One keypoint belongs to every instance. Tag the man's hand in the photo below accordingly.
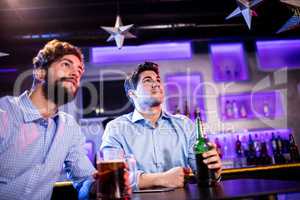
(173, 177)
(213, 160)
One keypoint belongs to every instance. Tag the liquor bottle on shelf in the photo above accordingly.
(294, 151)
(273, 143)
(186, 110)
(205, 176)
(235, 109)
(239, 161)
(225, 149)
(177, 110)
(228, 109)
(285, 149)
(245, 145)
(243, 111)
(221, 72)
(264, 157)
(266, 109)
(251, 158)
(196, 111)
(278, 156)
(238, 147)
(236, 73)
(228, 73)
(267, 140)
(257, 144)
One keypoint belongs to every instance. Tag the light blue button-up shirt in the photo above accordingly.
(34, 151)
(156, 149)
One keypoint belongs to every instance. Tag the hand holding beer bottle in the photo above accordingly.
(208, 161)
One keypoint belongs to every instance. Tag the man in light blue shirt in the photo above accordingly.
(161, 143)
(37, 141)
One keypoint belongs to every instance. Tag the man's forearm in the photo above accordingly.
(150, 180)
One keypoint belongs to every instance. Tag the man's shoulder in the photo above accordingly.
(179, 117)
(6, 103)
(6, 99)
(181, 121)
(68, 118)
(125, 118)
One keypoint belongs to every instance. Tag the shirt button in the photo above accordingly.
(27, 191)
(44, 123)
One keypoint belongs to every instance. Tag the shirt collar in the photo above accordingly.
(136, 116)
(30, 112)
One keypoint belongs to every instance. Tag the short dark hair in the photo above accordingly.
(53, 51)
(132, 81)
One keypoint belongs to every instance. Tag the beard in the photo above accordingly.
(57, 93)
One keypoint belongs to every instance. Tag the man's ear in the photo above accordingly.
(39, 74)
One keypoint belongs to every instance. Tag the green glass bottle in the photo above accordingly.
(205, 176)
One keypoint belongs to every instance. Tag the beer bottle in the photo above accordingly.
(205, 176)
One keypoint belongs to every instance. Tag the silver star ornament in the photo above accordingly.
(244, 8)
(294, 21)
(3, 54)
(118, 32)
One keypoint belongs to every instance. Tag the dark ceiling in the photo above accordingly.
(23, 23)
(80, 20)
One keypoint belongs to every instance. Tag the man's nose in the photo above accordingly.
(76, 73)
(155, 84)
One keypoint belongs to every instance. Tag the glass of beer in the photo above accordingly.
(114, 181)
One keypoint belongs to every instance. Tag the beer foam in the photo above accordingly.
(111, 161)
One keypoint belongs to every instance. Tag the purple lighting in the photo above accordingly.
(228, 61)
(8, 70)
(162, 51)
(185, 89)
(278, 54)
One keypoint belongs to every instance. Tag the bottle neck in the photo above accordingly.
(199, 127)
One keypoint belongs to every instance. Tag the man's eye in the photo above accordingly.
(66, 64)
(147, 80)
(158, 80)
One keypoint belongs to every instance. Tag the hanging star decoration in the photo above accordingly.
(118, 32)
(294, 21)
(3, 54)
(244, 8)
